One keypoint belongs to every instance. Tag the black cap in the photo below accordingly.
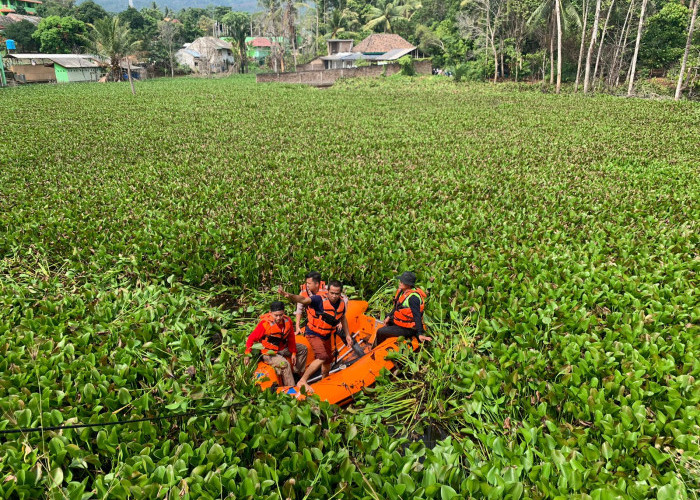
(277, 306)
(407, 278)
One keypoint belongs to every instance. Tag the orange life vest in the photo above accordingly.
(305, 289)
(323, 325)
(276, 336)
(402, 311)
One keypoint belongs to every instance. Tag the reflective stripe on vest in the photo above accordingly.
(402, 311)
(323, 325)
(276, 336)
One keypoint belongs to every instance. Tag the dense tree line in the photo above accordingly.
(595, 44)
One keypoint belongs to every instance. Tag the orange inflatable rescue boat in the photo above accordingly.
(354, 368)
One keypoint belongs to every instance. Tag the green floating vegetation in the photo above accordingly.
(557, 236)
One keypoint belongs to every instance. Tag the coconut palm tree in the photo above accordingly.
(337, 23)
(384, 16)
(563, 15)
(633, 64)
(409, 7)
(112, 40)
(483, 19)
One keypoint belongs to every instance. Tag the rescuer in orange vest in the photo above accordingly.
(325, 314)
(312, 286)
(406, 319)
(276, 333)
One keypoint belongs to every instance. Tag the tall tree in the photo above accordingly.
(60, 8)
(89, 12)
(337, 23)
(21, 33)
(633, 64)
(238, 24)
(60, 35)
(557, 10)
(169, 34)
(591, 46)
(483, 18)
(112, 40)
(586, 4)
(289, 28)
(560, 16)
(665, 35)
(602, 39)
(688, 43)
(621, 47)
(383, 16)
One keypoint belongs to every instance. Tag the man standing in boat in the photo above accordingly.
(276, 333)
(325, 313)
(312, 286)
(406, 319)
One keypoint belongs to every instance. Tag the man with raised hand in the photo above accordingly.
(406, 318)
(312, 286)
(325, 313)
(276, 333)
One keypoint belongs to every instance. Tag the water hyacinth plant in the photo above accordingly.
(557, 238)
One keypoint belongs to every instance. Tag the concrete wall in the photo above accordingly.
(83, 74)
(34, 73)
(315, 65)
(328, 77)
(61, 74)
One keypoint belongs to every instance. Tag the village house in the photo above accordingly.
(65, 68)
(377, 55)
(59, 68)
(12, 6)
(258, 48)
(379, 48)
(8, 19)
(206, 55)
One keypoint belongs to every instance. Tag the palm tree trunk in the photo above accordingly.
(544, 64)
(172, 64)
(557, 8)
(594, 37)
(503, 66)
(693, 17)
(495, 56)
(551, 54)
(602, 40)
(633, 67)
(583, 40)
(131, 80)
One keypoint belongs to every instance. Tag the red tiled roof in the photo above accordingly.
(261, 42)
(30, 1)
(379, 43)
(7, 10)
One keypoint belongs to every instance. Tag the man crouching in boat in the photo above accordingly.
(325, 313)
(276, 333)
(406, 319)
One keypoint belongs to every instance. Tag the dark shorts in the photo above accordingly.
(323, 349)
